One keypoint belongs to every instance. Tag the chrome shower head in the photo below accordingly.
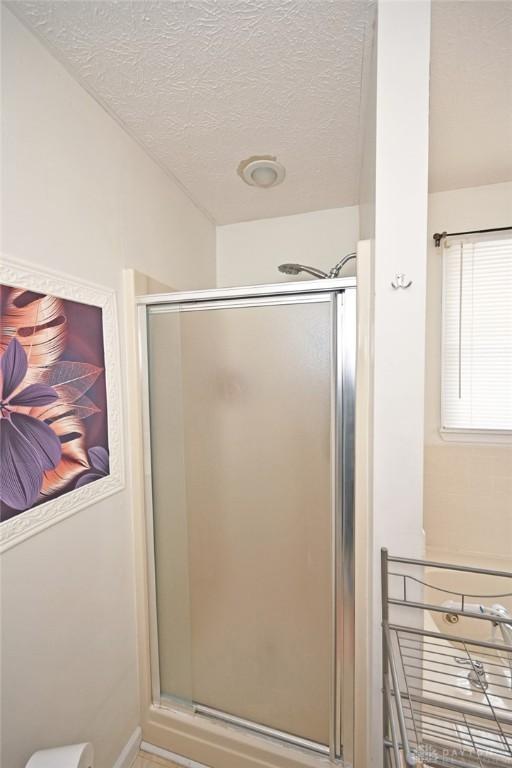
(290, 269)
(296, 269)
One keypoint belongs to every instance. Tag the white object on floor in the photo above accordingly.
(71, 756)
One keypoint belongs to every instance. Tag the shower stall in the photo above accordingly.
(248, 423)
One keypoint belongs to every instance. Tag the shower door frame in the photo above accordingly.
(341, 294)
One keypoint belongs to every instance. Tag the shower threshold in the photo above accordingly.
(168, 702)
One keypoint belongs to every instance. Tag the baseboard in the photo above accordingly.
(178, 759)
(130, 750)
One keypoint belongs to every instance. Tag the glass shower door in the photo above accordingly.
(242, 414)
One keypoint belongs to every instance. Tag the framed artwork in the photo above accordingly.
(60, 399)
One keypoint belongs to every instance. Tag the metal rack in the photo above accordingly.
(447, 693)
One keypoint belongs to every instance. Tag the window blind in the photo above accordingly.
(477, 335)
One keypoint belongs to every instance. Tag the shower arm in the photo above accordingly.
(334, 272)
(296, 269)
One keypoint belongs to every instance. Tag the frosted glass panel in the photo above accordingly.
(240, 420)
(170, 512)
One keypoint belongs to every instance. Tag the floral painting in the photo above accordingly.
(53, 403)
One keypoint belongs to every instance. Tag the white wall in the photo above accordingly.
(403, 54)
(250, 252)
(80, 196)
(471, 481)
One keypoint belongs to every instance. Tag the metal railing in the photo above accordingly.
(447, 693)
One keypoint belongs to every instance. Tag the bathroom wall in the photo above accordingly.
(468, 486)
(397, 383)
(79, 195)
(250, 252)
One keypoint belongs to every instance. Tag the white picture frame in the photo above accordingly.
(22, 274)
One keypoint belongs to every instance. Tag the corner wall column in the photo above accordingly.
(403, 59)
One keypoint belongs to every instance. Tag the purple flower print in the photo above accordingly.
(98, 459)
(28, 447)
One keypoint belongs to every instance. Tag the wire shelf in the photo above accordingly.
(447, 691)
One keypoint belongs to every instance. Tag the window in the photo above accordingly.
(477, 335)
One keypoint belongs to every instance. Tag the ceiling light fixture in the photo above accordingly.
(261, 171)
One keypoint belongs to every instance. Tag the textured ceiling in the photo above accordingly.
(204, 84)
(470, 94)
